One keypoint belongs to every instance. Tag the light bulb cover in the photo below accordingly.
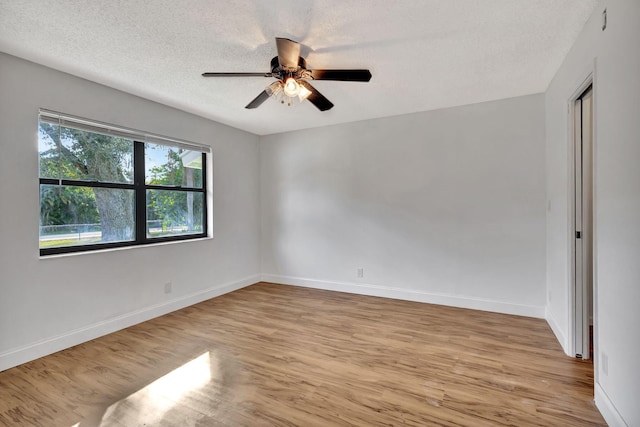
(303, 93)
(291, 87)
(274, 88)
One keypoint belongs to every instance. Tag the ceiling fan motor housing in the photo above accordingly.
(283, 72)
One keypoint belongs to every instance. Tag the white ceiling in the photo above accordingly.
(423, 54)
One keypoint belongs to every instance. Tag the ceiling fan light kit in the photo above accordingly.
(287, 91)
(292, 75)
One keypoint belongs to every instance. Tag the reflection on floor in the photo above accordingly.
(273, 355)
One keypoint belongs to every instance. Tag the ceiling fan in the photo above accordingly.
(290, 70)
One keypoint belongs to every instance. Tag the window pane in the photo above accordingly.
(172, 166)
(172, 213)
(67, 153)
(48, 150)
(71, 216)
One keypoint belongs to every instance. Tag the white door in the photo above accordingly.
(583, 273)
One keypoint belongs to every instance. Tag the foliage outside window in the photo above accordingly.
(101, 188)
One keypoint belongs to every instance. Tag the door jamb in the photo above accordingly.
(588, 81)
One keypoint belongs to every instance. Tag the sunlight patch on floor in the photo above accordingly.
(175, 384)
(149, 405)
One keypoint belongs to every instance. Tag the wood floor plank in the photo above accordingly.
(275, 355)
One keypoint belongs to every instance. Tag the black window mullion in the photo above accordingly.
(90, 184)
(98, 184)
(140, 194)
(204, 189)
(49, 181)
(174, 188)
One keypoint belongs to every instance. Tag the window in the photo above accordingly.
(104, 187)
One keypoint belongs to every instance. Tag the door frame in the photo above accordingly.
(589, 80)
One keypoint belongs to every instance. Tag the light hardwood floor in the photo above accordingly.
(274, 355)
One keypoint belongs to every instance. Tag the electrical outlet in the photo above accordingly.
(167, 288)
(361, 272)
(605, 363)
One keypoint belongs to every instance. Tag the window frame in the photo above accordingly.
(139, 187)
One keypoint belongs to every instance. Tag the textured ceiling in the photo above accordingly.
(423, 54)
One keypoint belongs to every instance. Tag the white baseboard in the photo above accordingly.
(553, 324)
(410, 295)
(17, 356)
(607, 409)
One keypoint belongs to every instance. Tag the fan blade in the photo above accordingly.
(316, 98)
(288, 53)
(258, 100)
(237, 74)
(342, 75)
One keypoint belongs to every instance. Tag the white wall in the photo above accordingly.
(445, 206)
(614, 56)
(49, 304)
